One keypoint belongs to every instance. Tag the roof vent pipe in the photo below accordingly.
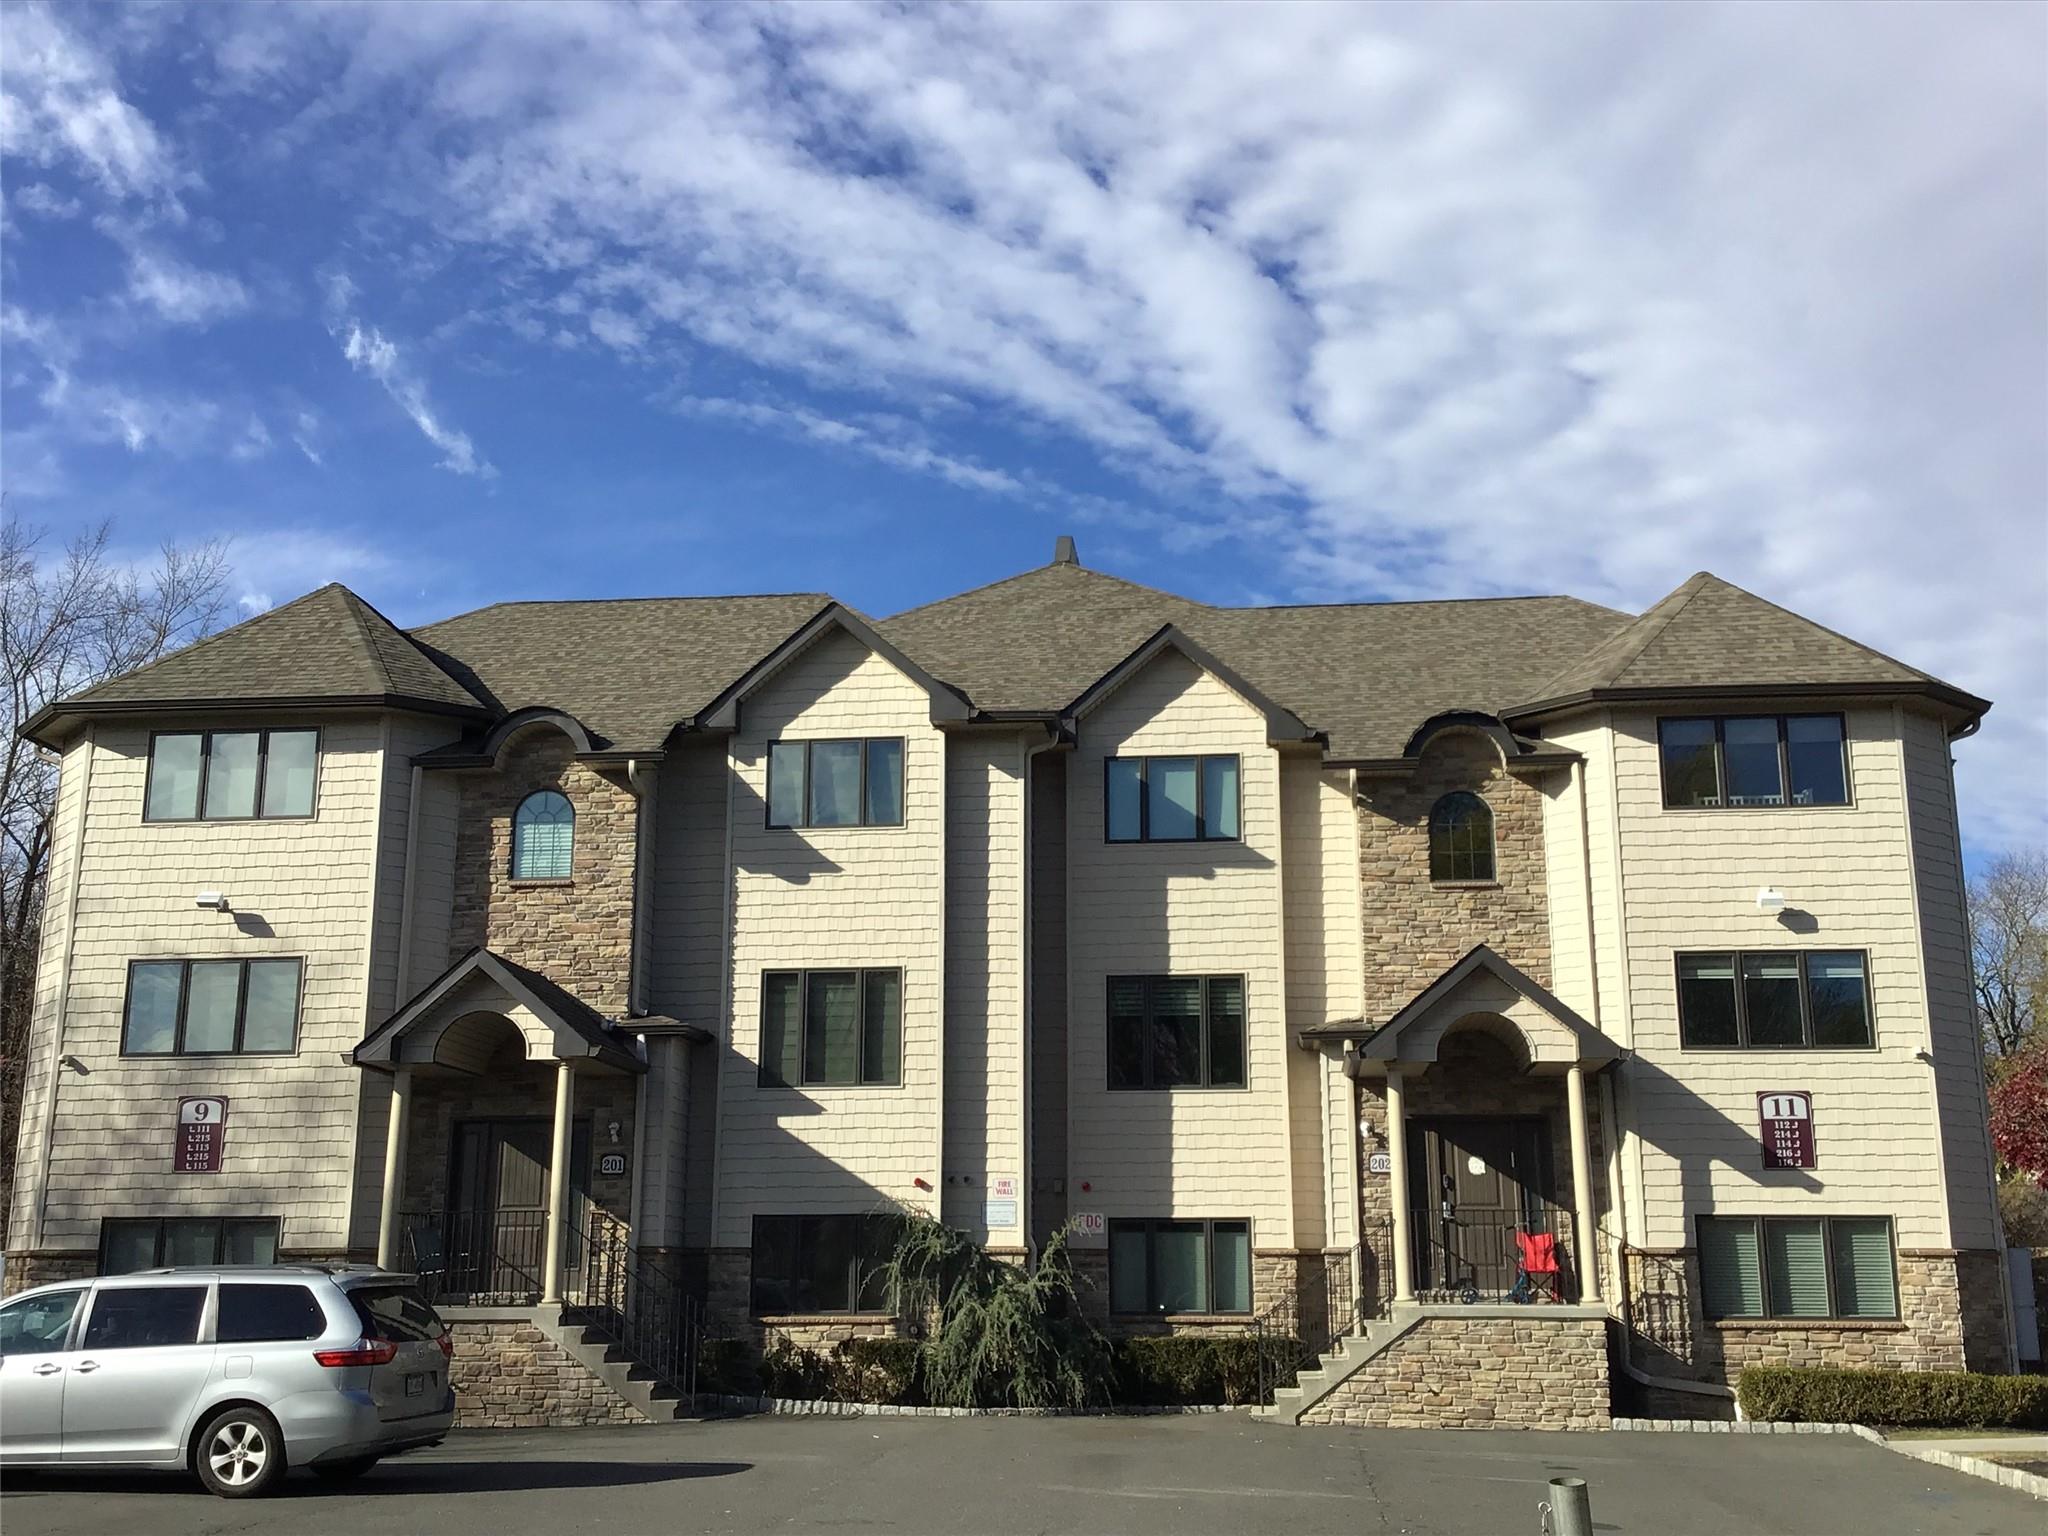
(1063, 551)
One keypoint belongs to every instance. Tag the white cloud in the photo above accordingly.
(288, 560)
(44, 201)
(60, 105)
(887, 439)
(371, 353)
(253, 443)
(305, 437)
(181, 293)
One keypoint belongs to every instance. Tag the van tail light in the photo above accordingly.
(447, 1343)
(362, 1352)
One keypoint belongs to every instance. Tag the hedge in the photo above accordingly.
(1178, 1370)
(1898, 1399)
(854, 1371)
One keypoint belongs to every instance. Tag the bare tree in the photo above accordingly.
(68, 620)
(2009, 929)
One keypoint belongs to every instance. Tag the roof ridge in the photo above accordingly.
(1040, 570)
(1653, 624)
(206, 640)
(1424, 602)
(360, 607)
(571, 602)
(1855, 644)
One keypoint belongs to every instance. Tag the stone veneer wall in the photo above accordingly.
(1480, 1372)
(1415, 929)
(577, 932)
(1950, 1319)
(26, 1269)
(508, 1374)
(729, 1300)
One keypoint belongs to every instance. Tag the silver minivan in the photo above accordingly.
(235, 1374)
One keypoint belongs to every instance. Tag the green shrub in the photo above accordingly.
(725, 1365)
(788, 1369)
(1176, 1370)
(1901, 1399)
(875, 1371)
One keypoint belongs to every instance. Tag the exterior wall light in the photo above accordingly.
(1770, 901)
(217, 900)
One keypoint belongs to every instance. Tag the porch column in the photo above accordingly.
(1397, 1181)
(558, 1181)
(394, 1169)
(1582, 1185)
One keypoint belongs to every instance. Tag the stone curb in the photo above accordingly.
(2015, 1478)
(728, 1403)
(1722, 1427)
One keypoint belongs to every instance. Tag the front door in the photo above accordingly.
(1473, 1182)
(498, 1221)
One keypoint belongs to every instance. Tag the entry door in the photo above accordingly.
(499, 1220)
(1474, 1181)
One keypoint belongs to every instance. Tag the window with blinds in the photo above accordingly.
(543, 837)
(1798, 1268)
(1176, 1032)
(831, 1028)
(1775, 1000)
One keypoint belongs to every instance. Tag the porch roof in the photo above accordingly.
(553, 1021)
(1482, 983)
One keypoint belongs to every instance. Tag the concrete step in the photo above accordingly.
(612, 1366)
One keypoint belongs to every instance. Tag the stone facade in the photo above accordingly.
(729, 1293)
(26, 1269)
(1480, 1371)
(508, 1374)
(577, 932)
(1416, 928)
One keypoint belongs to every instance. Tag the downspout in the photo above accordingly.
(1610, 1124)
(641, 780)
(56, 1072)
(405, 900)
(1027, 1176)
(634, 1188)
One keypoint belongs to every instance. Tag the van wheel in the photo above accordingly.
(343, 1471)
(240, 1453)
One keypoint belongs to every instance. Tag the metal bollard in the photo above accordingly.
(1570, 1510)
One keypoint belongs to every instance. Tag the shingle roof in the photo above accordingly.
(628, 669)
(1709, 633)
(1366, 674)
(327, 644)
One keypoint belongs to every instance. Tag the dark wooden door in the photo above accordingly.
(498, 1219)
(1473, 1182)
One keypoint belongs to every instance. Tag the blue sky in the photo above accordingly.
(456, 303)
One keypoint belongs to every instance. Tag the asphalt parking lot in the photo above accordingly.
(1184, 1476)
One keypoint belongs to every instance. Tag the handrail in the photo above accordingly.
(475, 1255)
(1319, 1308)
(641, 1305)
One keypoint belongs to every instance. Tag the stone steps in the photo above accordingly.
(626, 1377)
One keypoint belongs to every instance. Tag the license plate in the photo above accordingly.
(416, 1383)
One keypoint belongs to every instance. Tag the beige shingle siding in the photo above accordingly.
(688, 886)
(1945, 936)
(1051, 1199)
(984, 1120)
(1177, 909)
(1690, 880)
(837, 897)
(298, 888)
(1319, 872)
(433, 894)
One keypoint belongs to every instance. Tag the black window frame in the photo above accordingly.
(220, 1235)
(512, 852)
(1492, 875)
(1207, 1083)
(1720, 724)
(768, 1077)
(263, 733)
(1201, 760)
(1742, 1042)
(1834, 1313)
(1149, 1225)
(241, 1003)
(870, 1229)
(804, 789)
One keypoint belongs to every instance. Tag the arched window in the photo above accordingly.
(1461, 838)
(543, 832)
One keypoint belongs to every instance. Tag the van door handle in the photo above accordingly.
(86, 1365)
(48, 1368)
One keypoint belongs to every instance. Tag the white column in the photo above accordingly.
(394, 1169)
(558, 1181)
(1582, 1185)
(1397, 1180)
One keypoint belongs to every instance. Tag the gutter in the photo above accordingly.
(63, 1003)
(640, 778)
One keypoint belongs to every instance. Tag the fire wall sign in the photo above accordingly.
(202, 1124)
(1785, 1128)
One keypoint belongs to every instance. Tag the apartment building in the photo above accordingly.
(1343, 958)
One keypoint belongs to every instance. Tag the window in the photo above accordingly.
(38, 1325)
(144, 1316)
(230, 775)
(1461, 838)
(836, 783)
(1797, 1267)
(267, 1314)
(1163, 1267)
(211, 1008)
(805, 1264)
(1754, 760)
(398, 1313)
(1176, 1032)
(1774, 1000)
(543, 837)
(831, 1028)
(152, 1243)
(1170, 799)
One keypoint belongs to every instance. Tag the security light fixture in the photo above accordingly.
(217, 900)
(1770, 901)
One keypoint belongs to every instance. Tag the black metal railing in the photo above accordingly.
(1483, 1257)
(640, 1305)
(1375, 1260)
(471, 1257)
(1306, 1320)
